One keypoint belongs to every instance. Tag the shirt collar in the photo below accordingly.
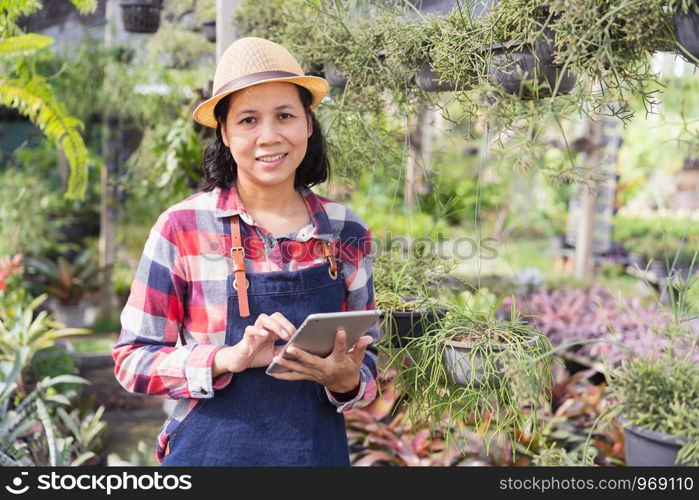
(229, 204)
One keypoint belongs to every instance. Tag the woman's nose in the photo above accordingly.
(269, 132)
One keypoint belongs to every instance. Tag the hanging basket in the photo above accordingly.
(334, 76)
(141, 17)
(520, 69)
(687, 30)
(428, 80)
(209, 29)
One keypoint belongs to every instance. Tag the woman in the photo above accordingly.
(229, 273)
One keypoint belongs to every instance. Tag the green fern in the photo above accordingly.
(12, 10)
(24, 44)
(31, 96)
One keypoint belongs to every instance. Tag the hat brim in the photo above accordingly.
(317, 86)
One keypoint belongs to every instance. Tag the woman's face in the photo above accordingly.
(263, 122)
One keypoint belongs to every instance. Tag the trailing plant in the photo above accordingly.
(408, 282)
(501, 390)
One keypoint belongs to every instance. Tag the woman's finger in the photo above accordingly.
(340, 347)
(273, 325)
(294, 365)
(304, 357)
(286, 324)
(255, 334)
(291, 376)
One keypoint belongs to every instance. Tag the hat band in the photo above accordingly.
(242, 81)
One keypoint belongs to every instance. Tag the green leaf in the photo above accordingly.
(31, 96)
(24, 44)
(50, 435)
(85, 6)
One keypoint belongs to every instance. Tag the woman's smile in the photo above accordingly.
(269, 161)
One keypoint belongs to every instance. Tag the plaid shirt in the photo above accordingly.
(174, 321)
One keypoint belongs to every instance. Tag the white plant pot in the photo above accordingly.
(82, 315)
(465, 365)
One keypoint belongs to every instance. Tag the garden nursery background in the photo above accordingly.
(529, 170)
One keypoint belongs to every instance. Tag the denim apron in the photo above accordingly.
(257, 420)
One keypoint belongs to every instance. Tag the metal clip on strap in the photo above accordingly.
(240, 282)
(328, 254)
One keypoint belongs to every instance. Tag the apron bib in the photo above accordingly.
(257, 420)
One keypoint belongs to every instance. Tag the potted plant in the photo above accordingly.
(686, 20)
(403, 288)
(476, 371)
(477, 351)
(411, 41)
(69, 285)
(141, 16)
(657, 400)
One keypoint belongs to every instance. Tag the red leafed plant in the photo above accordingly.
(378, 435)
(574, 315)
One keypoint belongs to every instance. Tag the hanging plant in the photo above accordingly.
(141, 16)
(209, 27)
(412, 46)
(686, 19)
(476, 371)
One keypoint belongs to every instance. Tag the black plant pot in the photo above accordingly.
(209, 29)
(428, 80)
(141, 16)
(520, 70)
(636, 259)
(687, 30)
(403, 326)
(334, 76)
(644, 447)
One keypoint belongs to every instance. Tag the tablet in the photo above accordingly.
(316, 335)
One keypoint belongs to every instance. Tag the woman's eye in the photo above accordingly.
(286, 115)
(245, 120)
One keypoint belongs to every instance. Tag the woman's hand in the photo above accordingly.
(256, 348)
(339, 372)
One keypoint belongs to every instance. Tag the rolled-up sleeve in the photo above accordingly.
(146, 355)
(356, 255)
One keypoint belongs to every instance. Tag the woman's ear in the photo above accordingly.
(310, 124)
(224, 136)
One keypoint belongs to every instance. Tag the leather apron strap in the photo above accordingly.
(238, 255)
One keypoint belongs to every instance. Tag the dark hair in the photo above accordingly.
(220, 169)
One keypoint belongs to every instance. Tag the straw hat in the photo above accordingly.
(250, 61)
